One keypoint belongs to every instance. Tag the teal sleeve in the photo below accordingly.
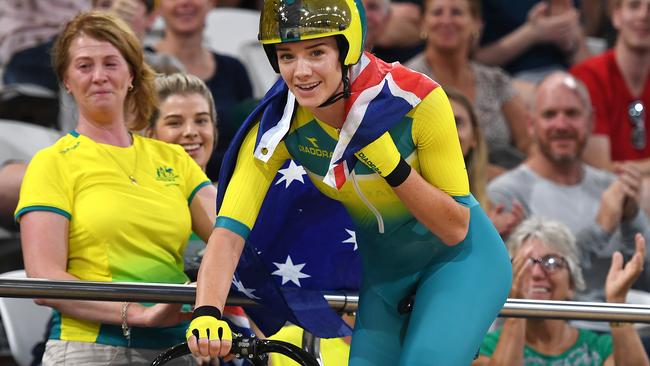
(196, 190)
(233, 225)
(604, 346)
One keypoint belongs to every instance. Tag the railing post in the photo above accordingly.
(311, 344)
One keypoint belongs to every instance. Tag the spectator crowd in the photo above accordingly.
(548, 97)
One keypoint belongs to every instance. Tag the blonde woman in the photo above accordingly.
(451, 28)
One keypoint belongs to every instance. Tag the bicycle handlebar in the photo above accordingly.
(290, 350)
(251, 348)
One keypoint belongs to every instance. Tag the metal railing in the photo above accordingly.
(339, 301)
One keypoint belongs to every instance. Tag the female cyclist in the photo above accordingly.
(419, 229)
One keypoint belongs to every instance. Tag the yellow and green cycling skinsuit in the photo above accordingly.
(400, 256)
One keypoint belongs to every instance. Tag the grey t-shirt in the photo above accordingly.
(576, 206)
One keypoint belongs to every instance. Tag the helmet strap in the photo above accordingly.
(342, 94)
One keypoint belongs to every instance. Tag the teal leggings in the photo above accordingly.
(458, 295)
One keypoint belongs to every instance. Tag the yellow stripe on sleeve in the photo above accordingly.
(250, 181)
(436, 138)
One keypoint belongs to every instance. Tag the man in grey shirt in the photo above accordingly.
(602, 209)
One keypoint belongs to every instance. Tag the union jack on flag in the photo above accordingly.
(381, 94)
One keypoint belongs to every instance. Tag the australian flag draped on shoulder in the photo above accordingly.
(304, 243)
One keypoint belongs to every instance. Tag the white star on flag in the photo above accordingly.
(352, 239)
(246, 291)
(291, 173)
(290, 272)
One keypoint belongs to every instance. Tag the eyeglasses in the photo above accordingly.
(550, 263)
(636, 112)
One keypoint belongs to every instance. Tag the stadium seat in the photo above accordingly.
(233, 31)
(633, 297)
(30, 103)
(226, 29)
(21, 140)
(24, 323)
(642, 298)
(259, 69)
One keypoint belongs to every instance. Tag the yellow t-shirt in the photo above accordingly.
(118, 231)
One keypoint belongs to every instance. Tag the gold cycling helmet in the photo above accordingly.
(297, 20)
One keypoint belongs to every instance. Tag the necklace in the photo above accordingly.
(135, 164)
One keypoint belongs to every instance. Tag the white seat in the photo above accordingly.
(226, 29)
(633, 297)
(259, 69)
(642, 298)
(24, 323)
(21, 140)
(234, 31)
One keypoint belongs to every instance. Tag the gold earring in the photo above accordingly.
(130, 87)
(423, 35)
